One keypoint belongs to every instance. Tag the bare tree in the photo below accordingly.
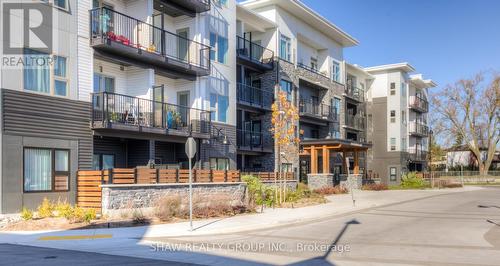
(469, 110)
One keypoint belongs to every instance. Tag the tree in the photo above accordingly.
(468, 111)
(284, 123)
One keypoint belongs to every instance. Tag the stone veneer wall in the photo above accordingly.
(126, 197)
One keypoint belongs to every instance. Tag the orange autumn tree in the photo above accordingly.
(284, 121)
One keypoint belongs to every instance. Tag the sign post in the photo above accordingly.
(190, 152)
(350, 182)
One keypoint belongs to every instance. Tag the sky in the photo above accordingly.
(445, 40)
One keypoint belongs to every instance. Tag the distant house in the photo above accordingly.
(461, 157)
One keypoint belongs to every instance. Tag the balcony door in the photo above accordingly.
(183, 44)
(158, 100)
(183, 102)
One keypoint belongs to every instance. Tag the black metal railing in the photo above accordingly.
(417, 154)
(253, 139)
(355, 121)
(419, 103)
(254, 96)
(112, 108)
(313, 70)
(354, 93)
(111, 25)
(419, 128)
(314, 108)
(254, 52)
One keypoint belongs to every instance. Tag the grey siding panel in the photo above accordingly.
(113, 146)
(35, 115)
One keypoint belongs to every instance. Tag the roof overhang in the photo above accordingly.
(358, 69)
(254, 20)
(405, 67)
(308, 16)
(418, 81)
(336, 144)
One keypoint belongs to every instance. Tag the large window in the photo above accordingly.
(287, 87)
(103, 83)
(220, 164)
(285, 48)
(219, 106)
(393, 173)
(103, 161)
(219, 49)
(336, 71)
(37, 77)
(46, 170)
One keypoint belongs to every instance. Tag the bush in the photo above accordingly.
(375, 187)
(45, 209)
(77, 215)
(64, 210)
(411, 180)
(258, 193)
(90, 214)
(26, 214)
(138, 217)
(168, 207)
(332, 190)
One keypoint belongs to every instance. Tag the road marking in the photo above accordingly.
(76, 237)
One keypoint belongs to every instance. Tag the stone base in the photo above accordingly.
(317, 181)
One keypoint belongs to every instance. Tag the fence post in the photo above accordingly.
(176, 175)
(110, 175)
(157, 176)
(225, 175)
(135, 175)
(211, 176)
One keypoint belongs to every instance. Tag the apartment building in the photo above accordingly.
(129, 82)
(311, 70)
(397, 121)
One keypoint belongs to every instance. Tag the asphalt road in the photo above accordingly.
(453, 229)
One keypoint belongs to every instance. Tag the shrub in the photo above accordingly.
(258, 193)
(375, 187)
(77, 215)
(332, 190)
(64, 210)
(45, 209)
(26, 214)
(90, 214)
(411, 180)
(452, 185)
(138, 217)
(168, 207)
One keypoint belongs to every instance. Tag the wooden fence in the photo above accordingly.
(89, 182)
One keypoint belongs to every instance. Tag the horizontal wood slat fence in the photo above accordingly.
(89, 182)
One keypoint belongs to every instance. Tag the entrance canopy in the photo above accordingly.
(325, 146)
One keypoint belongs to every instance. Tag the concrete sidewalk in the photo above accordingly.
(338, 205)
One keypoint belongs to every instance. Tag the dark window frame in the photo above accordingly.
(54, 172)
(395, 174)
(101, 159)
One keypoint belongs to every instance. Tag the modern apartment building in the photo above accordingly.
(397, 109)
(311, 69)
(129, 82)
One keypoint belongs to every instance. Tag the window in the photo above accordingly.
(403, 89)
(219, 106)
(221, 2)
(393, 88)
(336, 71)
(285, 48)
(393, 116)
(103, 83)
(219, 49)
(287, 87)
(403, 144)
(46, 170)
(219, 164)
(393, 144)
(60, 78)
(286, 168)
(62, 4)
(403, 117)
(314, 63)
(103, 161)
(393, 174)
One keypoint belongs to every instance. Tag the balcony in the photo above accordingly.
(418, 129)
(355, 122)
(313, 70)
(354, 93)
(129, 41)
(314, 110)
(254, 55)
(419, 104)
(175, 8)
(417, 154)
(254, 97)
(254, 141)
(122, 112)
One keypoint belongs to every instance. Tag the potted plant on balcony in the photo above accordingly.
(113, 117)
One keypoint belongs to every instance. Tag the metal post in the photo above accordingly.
(190, 196)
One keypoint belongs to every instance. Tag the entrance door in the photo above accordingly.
(305, 168)
(183, 44)
(158, 100)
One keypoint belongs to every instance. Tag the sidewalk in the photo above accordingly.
(338, 205)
